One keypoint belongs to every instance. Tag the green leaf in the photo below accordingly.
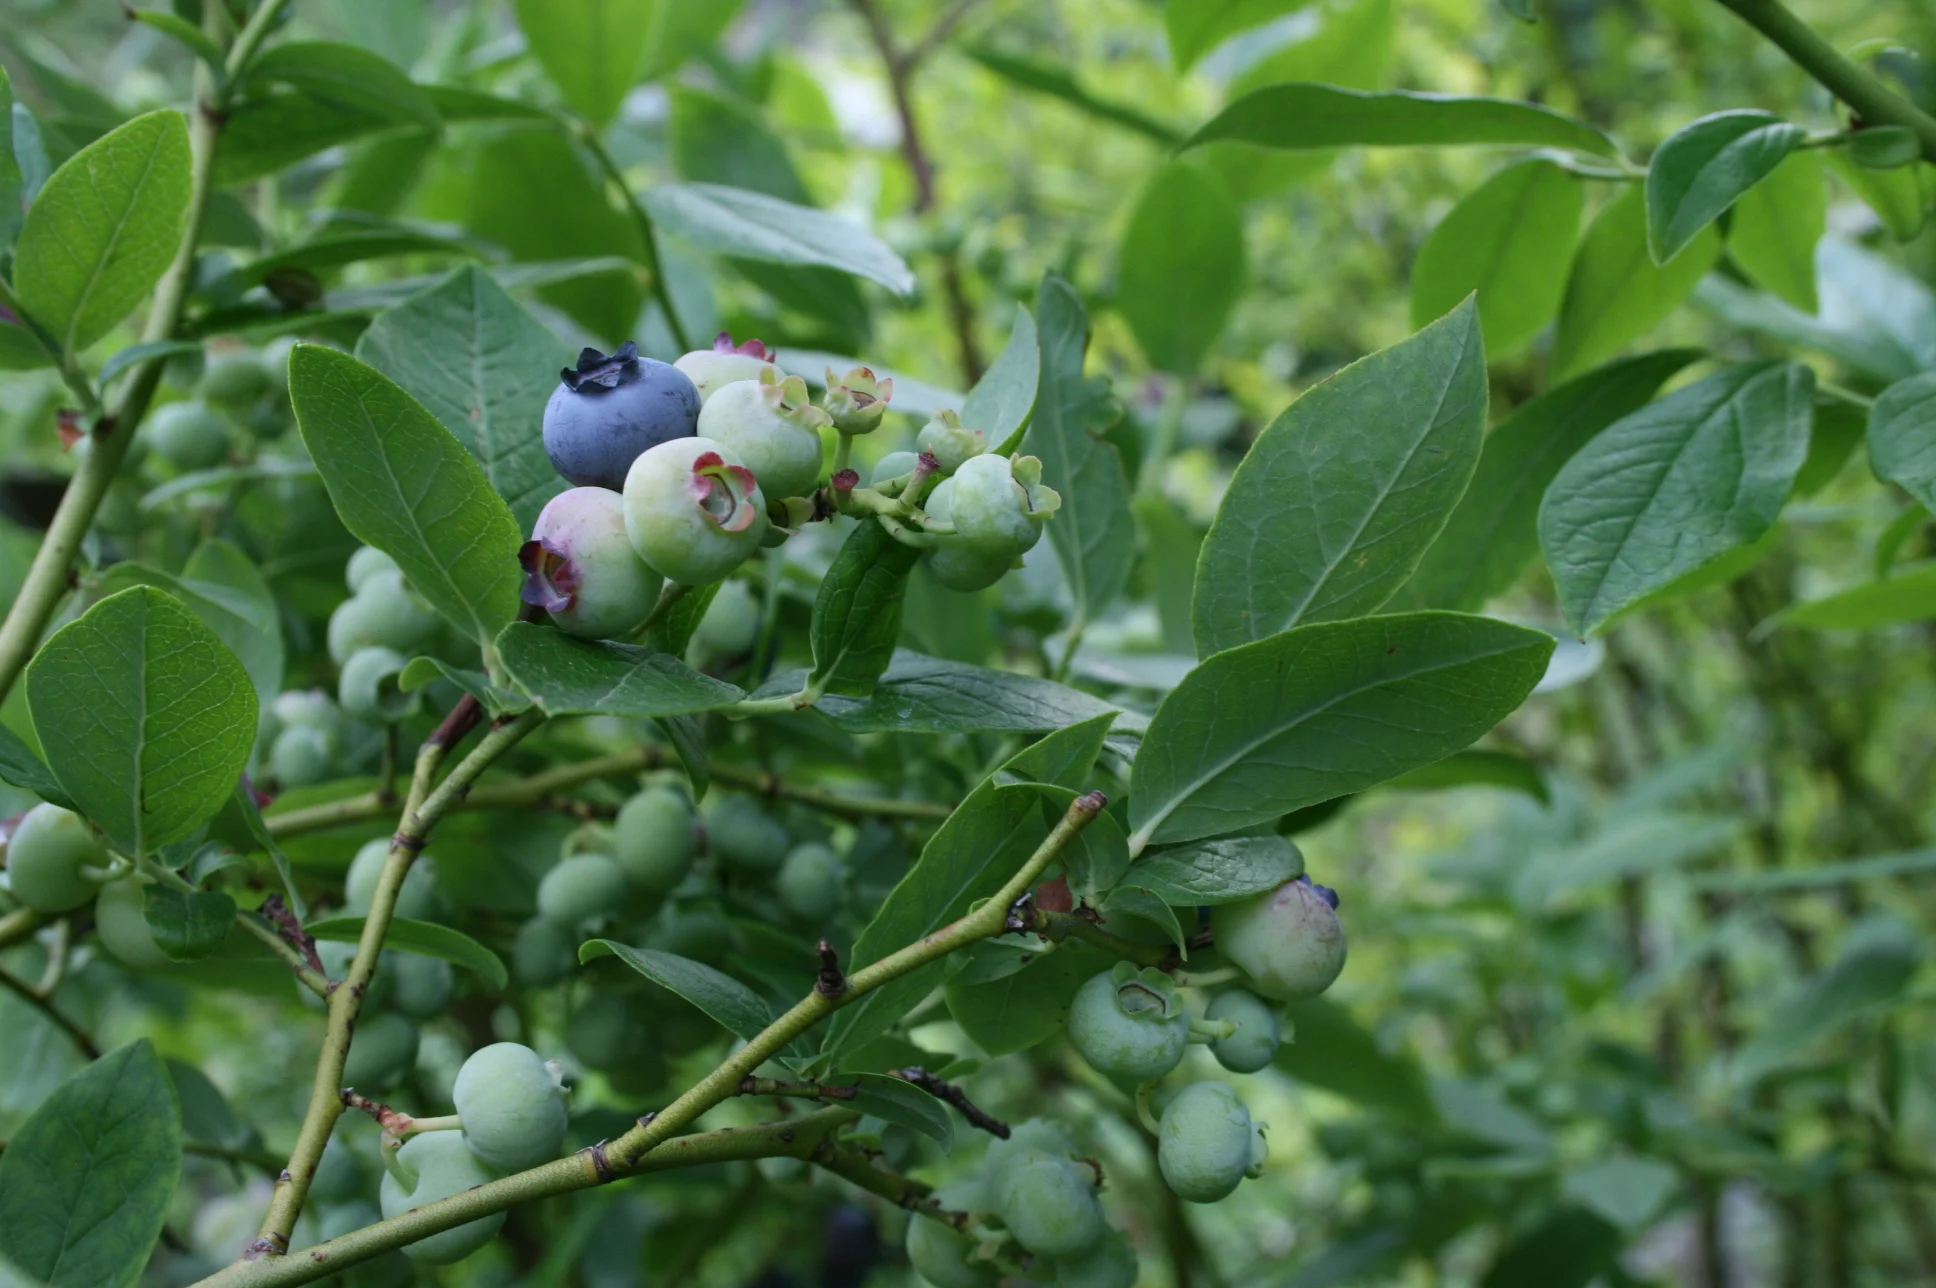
(1569, 1249)
(269, 132)
(188, 925)
(1182, 265)
(921, 694)
(135, 354)
(1476, 769)
(1906, 595)
(1326, 1048)
(1876, 962)
(737, 1008)
(1616, 293)
(1003, 399)
(1303, 116)
(456, 103)
(1135, 903)
(1322, 711)
(1094, 534)
(254, 638)
(1045, 78)
(1776, 226)
(595, 51)
(1095, 859)
(751, 225)
(570, 676)
(978, 848)
(857, 612)
(674, 630)
(420, 671)
(13, 184)
(484, 368)
(1902, 436)
(1195, 27)
(1629, 1192)
(424, 938)
(893, 1100)
(86, 1182)
(244, 798)
(1704, 167)
(333, 250)
(1026, 1007)
(146, 720)
(104, 229)
(403, 484)
(184, 33)
(1504, 242)
(347, 76)
(1673, 486)
(1338, 499)
(1900, 198)
(1494, 532)
(21, 767)
(1220, 871)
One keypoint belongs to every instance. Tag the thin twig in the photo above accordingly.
(45, 1005)
(805, 1090)
(948, 1091)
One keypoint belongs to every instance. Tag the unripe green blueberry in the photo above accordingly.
(383, 613)
(1289, 941)
(1130, 1024)
(45, 857)
(770, 426)
(960, 566)
(512, 1106)
(383, 1049)
(543, 954)
(812, 881)
(1031, 1139)
(893, 466)
(1203, 1146)
(1110, 1264)
(999, 505)
(951, 443)
(302, 756)
(1254, 1044)
(188, 435)
(742, 835)
(424, 986)
(939, 1253)
(232, 379)
(416, 900)
(443, 1167)
(693, 511)
(653, 840)
(580, 890)
(391, 1270)
(857, 401)
(581, 569)
(336, 957)
(370, 687)
(711, 370)
(311, 707)
(731, 623)
(122, 924)
(365, 564)
(1049, 1205)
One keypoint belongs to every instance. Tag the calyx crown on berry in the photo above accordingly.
(857, 401)
(1146, 992)
(723, 492)
(598, 371)
(723, 343)
(788, 399)
(952, 443)
(1040, 499)
(550, 579)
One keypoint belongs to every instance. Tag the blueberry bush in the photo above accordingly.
(654, 643)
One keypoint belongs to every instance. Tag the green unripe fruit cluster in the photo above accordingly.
(1205, 1142)
(47, 857)
(654, 840)
(442, 1167)
(731, 623)
(188, 435)
(1254, 1044)
(512, 1106)
(1045, 1198)
(417, 898)
(1130, 1024)
(693, 511)
(1289, 941)
(383, 1050)
(742, 835)
(581, 890)
(382, 612)
(940, 1254)
(543, 954)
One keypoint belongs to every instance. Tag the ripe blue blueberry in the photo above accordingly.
(1130, 1024)
(512, 1105)
(608, 411)
(1289, 941)
(188, 435)
(580, 567)
(47, 856)
(771, 427)
(653, 840)
(442, 1167)
(1255, 1042)
(711, 370)
(693, 512)
(1204, 1143)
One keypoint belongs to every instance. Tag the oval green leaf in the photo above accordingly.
(1615, 292)
(1704, 167)
(753, 225)
(1302, 116)
(1182, 265)
(737, 1008)
(567, 676)
(426, 939)
(1902, 436)
(1503, 242)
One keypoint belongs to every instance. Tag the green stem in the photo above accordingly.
(1059, 926)
(306, 975)
(19, 926)
(422, 810)
(1873, 101)
(652, 1145)
(587, 135)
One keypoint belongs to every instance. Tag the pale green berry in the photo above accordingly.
(812, 881)
(742, 835)
(581, 890)
(188, 435)
(940, 1254)
(311, 707)
(951, 443)
(731, 624)
(370, 687)
(443, 1167)
(857, 401)
(302, 756)
(383, 1049)
(416, 900)
(384, 613)
(543, 954)
(1130, 1024)
(232, 379)
(772, 428)
(1255, 1042)
(47, 857)
(366, 564)
(1289, 941)
(654, 840)
(1000, 505)
(693, 511)
(1203, 1145)
(512, 1106)
(581, 569)
(711, 370)
(1049, 1205)
(424, 986)
(894, 465)
(122, 924)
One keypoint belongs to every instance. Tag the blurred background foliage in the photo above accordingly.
(1654, 1013)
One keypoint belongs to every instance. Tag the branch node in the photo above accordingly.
(269, 1245)
(831, 983)
(601, 1165)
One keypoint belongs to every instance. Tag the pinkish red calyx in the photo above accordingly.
(550, 577)
(723, 492)
(723, 343)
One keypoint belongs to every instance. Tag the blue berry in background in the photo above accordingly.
(580, 567)
(1205, 1143)
(610, 410)
(693, 511)
(711, 370)
(772, 428)
(1289, 941)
